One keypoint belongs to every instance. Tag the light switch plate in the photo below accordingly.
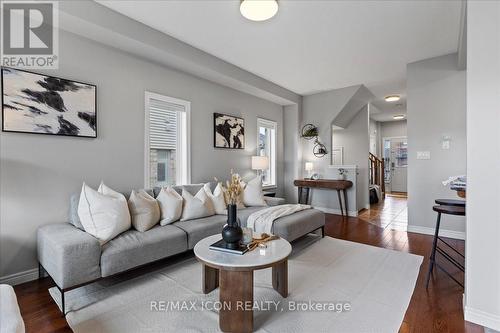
(423, 155)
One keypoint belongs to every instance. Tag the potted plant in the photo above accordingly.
(309, 131)
(342, 174)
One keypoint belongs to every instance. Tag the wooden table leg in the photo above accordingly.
(236, 297)
(280, 278)
(299, 189)
(345, 203)
(307, 196)
(340, 203)
(210, 278)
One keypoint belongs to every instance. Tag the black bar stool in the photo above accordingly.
(451, 202)
(457, 207)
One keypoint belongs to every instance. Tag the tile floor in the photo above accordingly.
(391, 213)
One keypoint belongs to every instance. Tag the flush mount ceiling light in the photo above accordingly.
(392, 98)
(398, 117)
(258, 10)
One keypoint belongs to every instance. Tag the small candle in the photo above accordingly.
(262, 249)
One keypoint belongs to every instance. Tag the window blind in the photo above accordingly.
(163, 124)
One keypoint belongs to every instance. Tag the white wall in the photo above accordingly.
(39, 172)
(435, 107)
(482, 288)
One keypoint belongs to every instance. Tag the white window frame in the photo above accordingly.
(273, 159)
(183, 145)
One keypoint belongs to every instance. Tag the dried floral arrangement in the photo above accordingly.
(232, 190)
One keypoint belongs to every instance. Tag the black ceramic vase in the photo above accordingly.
(232, 232)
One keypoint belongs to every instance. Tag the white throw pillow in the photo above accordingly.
(103, 213)
(217, 198)
(196, 207)
(252, 194)
(144, 210)
(170, 205)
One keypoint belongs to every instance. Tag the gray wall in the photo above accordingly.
(386, 129)
(374, 130)
(393, 128)
(321, 109)
(482, 281)
(390, 129)
(292, 154)
(436, 107)
(355, 140)
(38, 173)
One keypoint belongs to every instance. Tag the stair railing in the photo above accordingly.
(377, 168)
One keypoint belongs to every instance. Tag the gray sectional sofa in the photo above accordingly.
(74, 258)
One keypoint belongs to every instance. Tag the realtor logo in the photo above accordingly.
(29, 34)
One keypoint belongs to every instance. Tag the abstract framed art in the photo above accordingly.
(41, 104)
(229, 131)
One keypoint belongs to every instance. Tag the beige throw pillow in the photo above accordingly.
(217, 199)
(103, 213)
(170, 203)
(144, 210)
(197, 206)
(252, 194)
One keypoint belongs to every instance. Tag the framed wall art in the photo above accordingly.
(42, 104)
(229, 131)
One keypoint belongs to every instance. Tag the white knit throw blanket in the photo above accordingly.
(262, 220)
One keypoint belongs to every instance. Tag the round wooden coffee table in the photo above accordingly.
(233, 274)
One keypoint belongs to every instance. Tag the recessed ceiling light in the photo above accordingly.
(392, 98)
(398, 117)
(258, 10)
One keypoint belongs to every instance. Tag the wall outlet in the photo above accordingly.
(423, 155)
(445, 142)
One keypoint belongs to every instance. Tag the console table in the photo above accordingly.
(331, 184)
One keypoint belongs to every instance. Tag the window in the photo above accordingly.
(167, 153)
(266, 146)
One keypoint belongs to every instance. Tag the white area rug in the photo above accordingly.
(377, 283)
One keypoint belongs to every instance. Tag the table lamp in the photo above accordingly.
(309, 168)
(260, 163)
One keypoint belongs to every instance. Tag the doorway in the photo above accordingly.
(395, 154)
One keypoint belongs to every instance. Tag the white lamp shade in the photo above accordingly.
(309, 166)
(260, 162)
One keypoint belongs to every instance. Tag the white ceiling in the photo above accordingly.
(314, 46)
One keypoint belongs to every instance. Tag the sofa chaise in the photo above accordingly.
(74, 258)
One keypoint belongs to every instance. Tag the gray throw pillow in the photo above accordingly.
(150, 191)
(73, 211)
(156, 191)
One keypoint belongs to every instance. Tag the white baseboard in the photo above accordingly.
(336, 211)
(21, 277)
(489, 320)
(442, 232)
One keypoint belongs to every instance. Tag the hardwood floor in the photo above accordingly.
(40, 313)
(438, 309)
